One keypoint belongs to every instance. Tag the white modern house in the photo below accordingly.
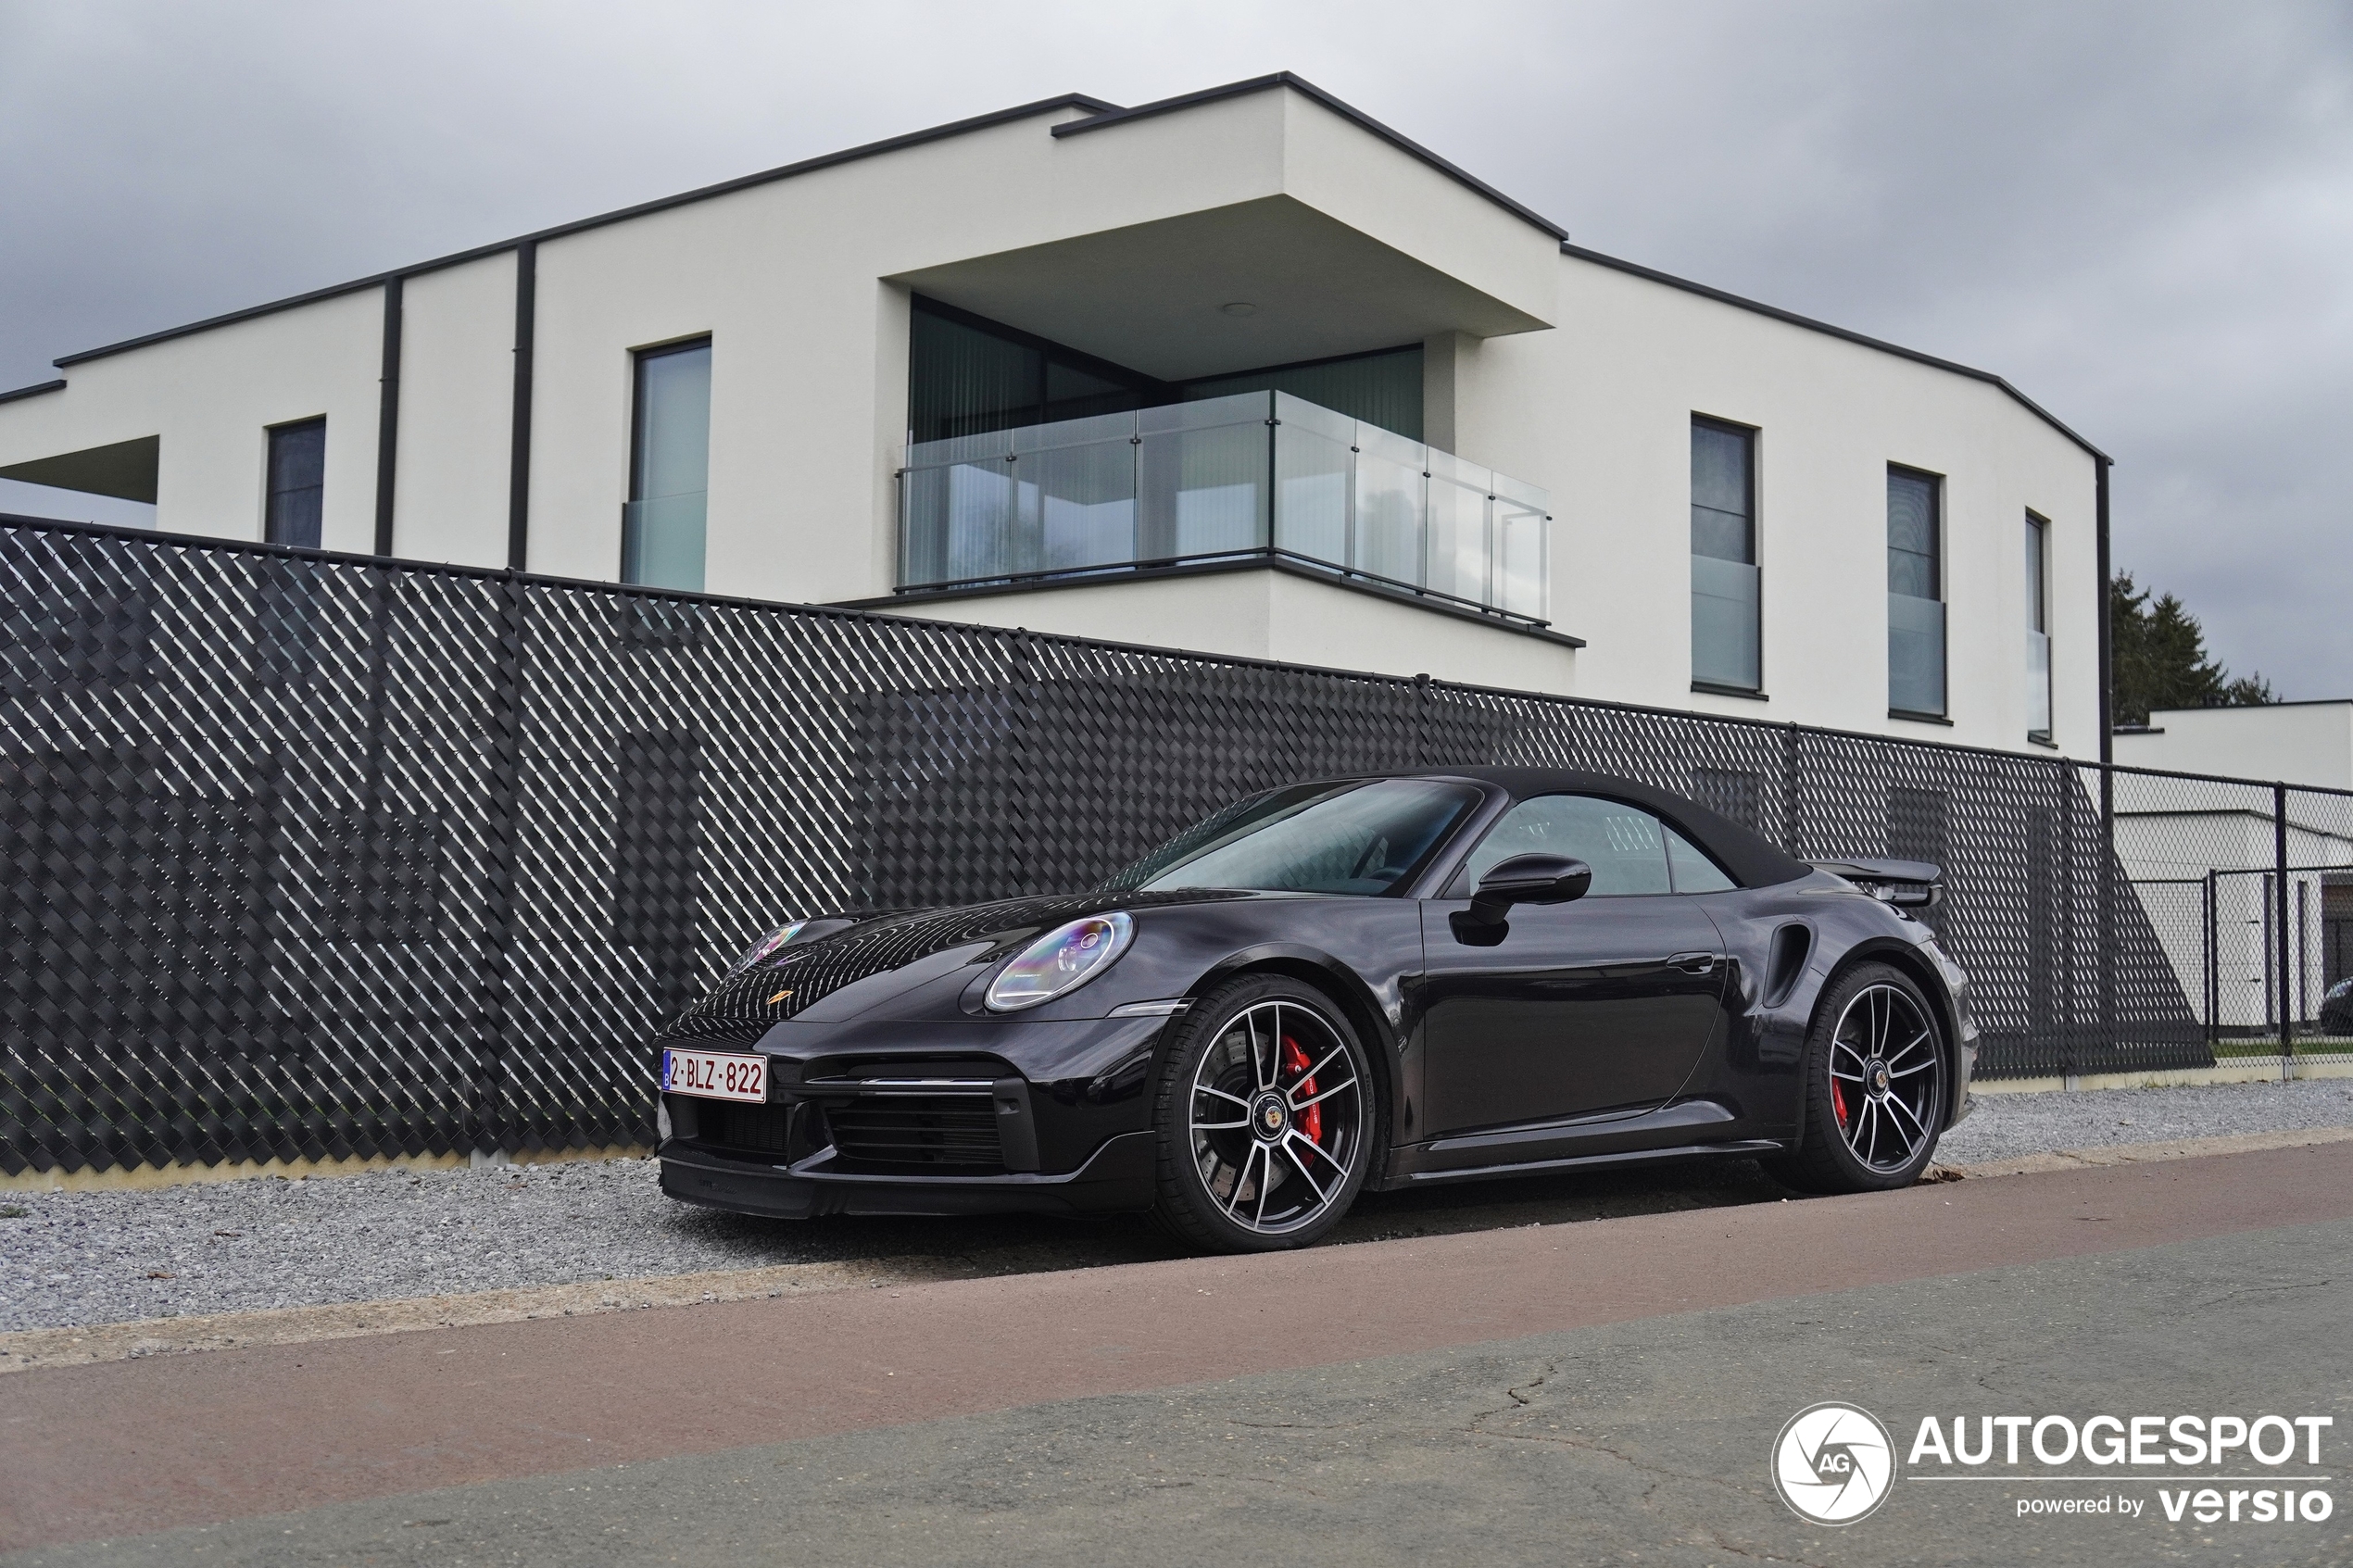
(1244, 371)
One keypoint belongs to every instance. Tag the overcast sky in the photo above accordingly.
(2141, 213)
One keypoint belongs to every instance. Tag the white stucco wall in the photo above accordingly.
(212, 397)
(457, 407)
(1276, 616)
(1599, 413)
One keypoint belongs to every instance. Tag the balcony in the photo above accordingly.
(1261, 476)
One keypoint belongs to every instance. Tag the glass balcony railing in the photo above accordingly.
(1262, 474)
(1914, 654)
(2038, 683)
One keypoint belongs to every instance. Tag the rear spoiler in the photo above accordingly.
(1908, 884)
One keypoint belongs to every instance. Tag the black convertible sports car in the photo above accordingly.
(1391, 981)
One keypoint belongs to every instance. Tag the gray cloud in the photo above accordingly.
(2138, 212)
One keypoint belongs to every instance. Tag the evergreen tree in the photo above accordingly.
(2160, 660)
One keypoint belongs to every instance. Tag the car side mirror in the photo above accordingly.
(1527, 879)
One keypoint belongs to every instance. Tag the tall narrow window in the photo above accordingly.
(2038, 629)
(1915, 595)
(661, 528)
(297, 479)
(1725, 587)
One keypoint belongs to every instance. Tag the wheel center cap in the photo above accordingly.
(1875, 1077)
(1269, 1116)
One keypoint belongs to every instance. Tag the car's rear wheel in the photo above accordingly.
(1875, 1087)
(1266, 1117)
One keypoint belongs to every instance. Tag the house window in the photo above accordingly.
(662, 526)
(2038, 628)
(1915, 594)
(1725, 588)
(298, 476)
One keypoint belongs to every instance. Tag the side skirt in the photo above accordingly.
(1750, 1147)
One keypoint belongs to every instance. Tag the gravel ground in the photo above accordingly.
(85, 1258)
(2005, 1126)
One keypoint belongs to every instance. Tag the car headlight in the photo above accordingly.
(766, 945)
(1062, 961)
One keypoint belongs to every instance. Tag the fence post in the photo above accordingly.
(484, 1115)
(2108, 867)
(2279, 931)
(1791, 818)
(2213, 961)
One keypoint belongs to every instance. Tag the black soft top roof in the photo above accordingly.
(1753, 861)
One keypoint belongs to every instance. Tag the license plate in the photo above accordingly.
(714, 1076)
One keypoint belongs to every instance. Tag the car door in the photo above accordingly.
(1592, 1008)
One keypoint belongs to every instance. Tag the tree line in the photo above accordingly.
(2159, 658)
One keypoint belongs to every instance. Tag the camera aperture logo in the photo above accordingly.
(1834, 1463)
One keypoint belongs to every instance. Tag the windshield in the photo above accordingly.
(1353, 837)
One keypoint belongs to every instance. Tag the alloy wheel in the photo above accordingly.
(1886, 1077)
(1278, 1118)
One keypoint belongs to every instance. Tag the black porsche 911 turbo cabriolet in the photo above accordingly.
(1389, 981)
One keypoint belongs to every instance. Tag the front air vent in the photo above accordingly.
(938, 1134)
(743, 1129)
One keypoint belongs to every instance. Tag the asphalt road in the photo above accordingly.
(1600, 1392)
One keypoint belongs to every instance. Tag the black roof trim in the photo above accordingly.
(31, 390)
(1795, 320)
(807, 166)
(1111, 117)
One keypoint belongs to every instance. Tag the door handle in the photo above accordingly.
(1692, 964)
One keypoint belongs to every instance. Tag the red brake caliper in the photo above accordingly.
(1311, 1121)
(1838, 1101)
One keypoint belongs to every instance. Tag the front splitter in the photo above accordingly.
(1117, 1177)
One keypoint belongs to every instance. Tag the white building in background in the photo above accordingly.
(2307, 744)
(1244, 372)
(2205, 855)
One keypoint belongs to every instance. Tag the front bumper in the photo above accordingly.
(903, 1117)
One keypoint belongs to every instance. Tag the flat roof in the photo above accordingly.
(1101, 115)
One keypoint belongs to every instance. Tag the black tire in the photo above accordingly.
(1238, 1172)
(1876, 1085)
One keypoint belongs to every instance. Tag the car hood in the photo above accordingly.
(805, 972)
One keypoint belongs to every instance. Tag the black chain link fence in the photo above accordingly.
(315, 856)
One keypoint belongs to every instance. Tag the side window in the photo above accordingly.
(1694, 872)
(1625, 845)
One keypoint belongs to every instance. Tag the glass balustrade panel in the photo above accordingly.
(1523, 563)
(661, 541)
(1202, 477)
(1914, 654)
(1725, 598)
(1075, 494)
(1459, 546)
(1393, 501)
(1315, 480)
(957, 506)
(2038, 682)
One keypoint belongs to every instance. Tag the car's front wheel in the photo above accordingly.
(1265, 1118)
(1874, 1086)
